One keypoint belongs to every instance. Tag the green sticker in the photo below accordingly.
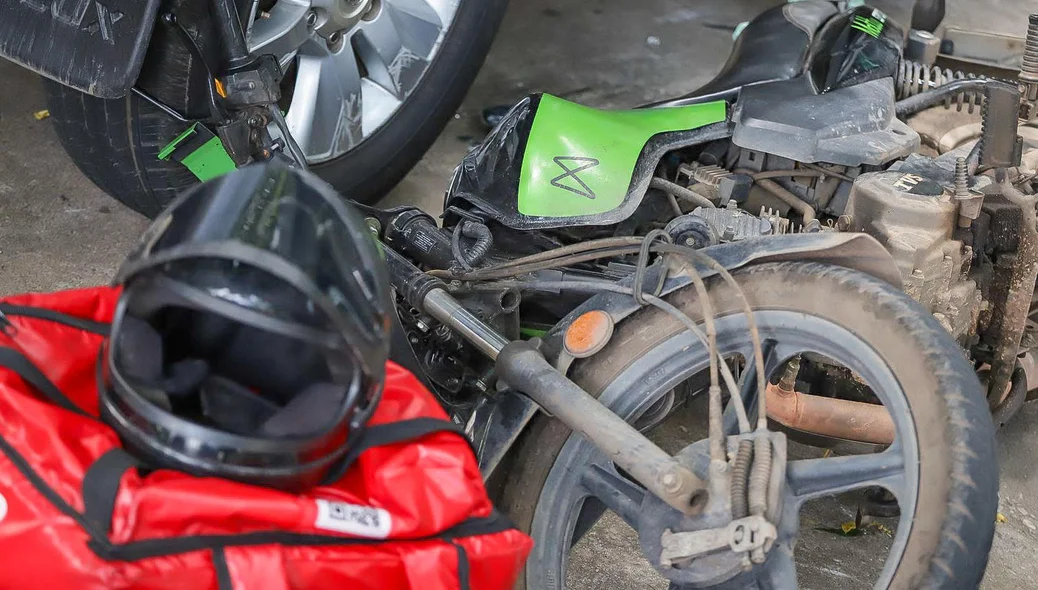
(868, 25)
(579, 160)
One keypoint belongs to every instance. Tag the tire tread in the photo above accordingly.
(959, 558)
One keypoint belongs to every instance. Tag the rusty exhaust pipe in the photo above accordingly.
(826, 416)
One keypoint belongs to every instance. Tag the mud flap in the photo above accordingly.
(95, 46)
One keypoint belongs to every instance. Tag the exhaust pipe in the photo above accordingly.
(825, 416)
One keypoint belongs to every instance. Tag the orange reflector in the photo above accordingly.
(219, 87)
(588, 333)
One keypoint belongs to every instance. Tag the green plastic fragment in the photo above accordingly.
(527, 332)
(167, 151)
(206, 161)
(209, 161)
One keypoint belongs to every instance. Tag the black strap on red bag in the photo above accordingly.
(23, 367)
(101, 486)
(388, 434)
(102, 478)
(39, 313)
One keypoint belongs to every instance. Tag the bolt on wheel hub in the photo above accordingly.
(332, 17)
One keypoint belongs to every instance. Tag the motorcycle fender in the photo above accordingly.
(856, 251)
(496, 425)
(95, 46)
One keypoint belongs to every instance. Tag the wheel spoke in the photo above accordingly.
(345, 90)
(445, 9)
(435, 13)
(619, 494)
(393, 48)
(281, 33)
(325, 116)
(780, 570)
(379, 104)
(812, 478)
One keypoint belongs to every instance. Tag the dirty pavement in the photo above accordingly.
(58, 231)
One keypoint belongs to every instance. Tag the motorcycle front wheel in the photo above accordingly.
(941, 466)
(364, 104)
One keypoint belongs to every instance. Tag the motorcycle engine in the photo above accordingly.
(916, 218)
(910, 207)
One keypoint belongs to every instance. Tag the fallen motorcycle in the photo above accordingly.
(777, 253)
(780, 252)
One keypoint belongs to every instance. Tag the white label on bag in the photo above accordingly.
(363, 521)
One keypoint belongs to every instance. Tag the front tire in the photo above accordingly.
(952, 526)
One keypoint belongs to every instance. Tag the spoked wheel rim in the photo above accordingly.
(350, 64)
(580, 468)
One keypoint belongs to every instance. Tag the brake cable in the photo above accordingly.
(661, 304)
(753, 460)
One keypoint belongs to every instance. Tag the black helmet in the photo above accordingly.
(252, 333)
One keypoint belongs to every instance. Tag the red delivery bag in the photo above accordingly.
(76, 511)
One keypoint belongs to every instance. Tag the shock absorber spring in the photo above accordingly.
(1029, 71)
(914, 78)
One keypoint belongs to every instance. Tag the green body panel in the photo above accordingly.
(579, 160)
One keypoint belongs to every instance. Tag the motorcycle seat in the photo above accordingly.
(773, 46)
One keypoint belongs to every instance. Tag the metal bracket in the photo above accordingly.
(255, 84)
(741, 536)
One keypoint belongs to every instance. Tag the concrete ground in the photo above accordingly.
(58, 231)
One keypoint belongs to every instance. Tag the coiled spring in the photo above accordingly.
(914, 78)
(1029, 67)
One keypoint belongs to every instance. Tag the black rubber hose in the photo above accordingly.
(1014, 401)
(484, 240)
(512, 271)
(575, 248)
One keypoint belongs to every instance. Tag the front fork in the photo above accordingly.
(242, 95)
